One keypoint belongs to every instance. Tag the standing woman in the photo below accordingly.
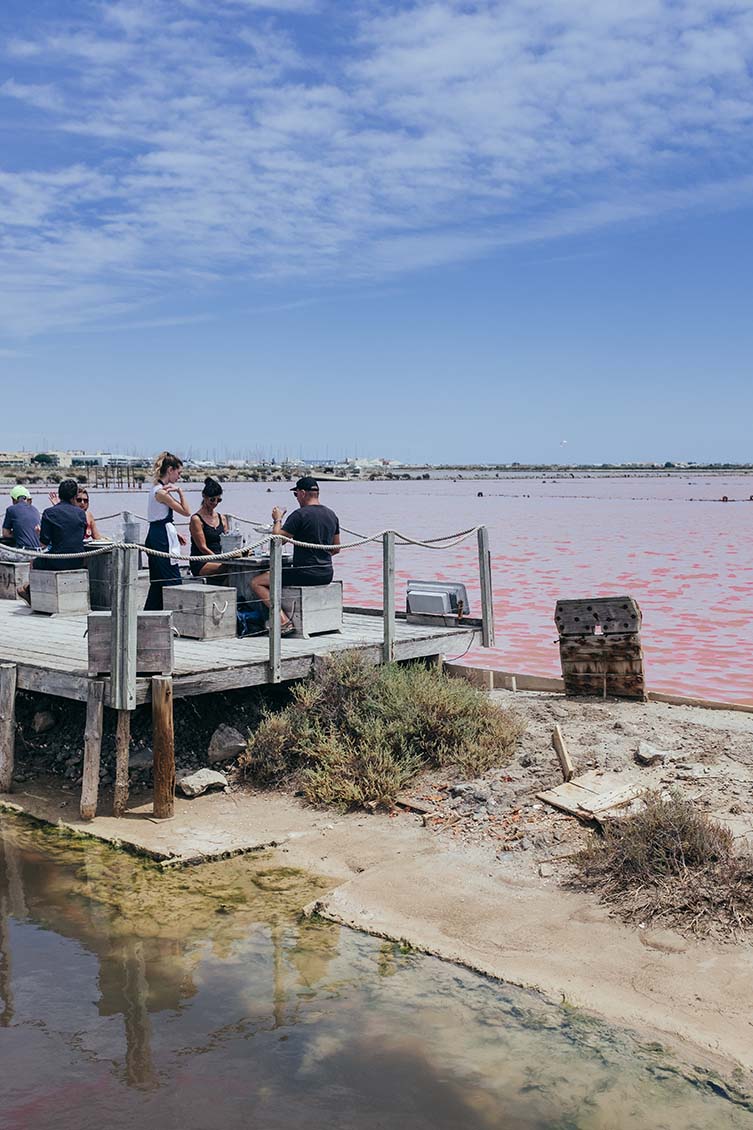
(166, 498)
(207, 526)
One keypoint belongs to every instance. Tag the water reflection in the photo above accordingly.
(199, 999)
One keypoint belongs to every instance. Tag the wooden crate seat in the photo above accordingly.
(59, 592)
(314, 609)
(13, 574)
(202, 612)
(154, 643)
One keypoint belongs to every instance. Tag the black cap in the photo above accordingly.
(306, 483)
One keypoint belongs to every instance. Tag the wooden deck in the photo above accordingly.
(50, 653)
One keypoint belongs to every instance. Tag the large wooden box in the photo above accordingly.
(59, 593)
(202, 612)
(314, 609)
(154, 643)
(13, 574)
(600, 647)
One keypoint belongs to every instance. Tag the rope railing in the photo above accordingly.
(446, 541)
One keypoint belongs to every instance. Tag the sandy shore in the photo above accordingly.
(477, 881)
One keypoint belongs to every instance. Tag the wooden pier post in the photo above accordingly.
(122, 751)
(7, 724)
(92, 749)
(123, 662)
(275, 604)
(487, 599)
(388, 595)
(163, 744)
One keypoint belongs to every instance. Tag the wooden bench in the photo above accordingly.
(202, 612)
(314, 609)
(13, 574)
(154, 643)
(59, 593)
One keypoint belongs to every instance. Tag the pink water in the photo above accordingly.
(667, 540)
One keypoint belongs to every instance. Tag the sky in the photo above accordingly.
(447, 230)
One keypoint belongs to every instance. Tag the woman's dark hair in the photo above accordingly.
(67, 490)
(212, 489)
(165, 462)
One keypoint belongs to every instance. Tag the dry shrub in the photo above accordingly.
(671, 865)
(355, 734)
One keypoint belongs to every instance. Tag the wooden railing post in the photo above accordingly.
(388, 595)
(124, 620)
(132, 532)
(485, 576)
(275, 606)
(7, 724)
(163, 744)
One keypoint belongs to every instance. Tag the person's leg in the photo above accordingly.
(260, 589)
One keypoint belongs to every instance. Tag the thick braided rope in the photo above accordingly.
(447, 542)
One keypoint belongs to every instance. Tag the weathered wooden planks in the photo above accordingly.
(600, 647)
(154, 643)
(202, 612)
(13, 574)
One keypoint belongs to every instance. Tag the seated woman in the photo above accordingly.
(206, 528)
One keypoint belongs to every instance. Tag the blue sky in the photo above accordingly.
(436, 230)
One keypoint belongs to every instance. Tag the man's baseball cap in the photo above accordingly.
(19, 492)
(306, 483)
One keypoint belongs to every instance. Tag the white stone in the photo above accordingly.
(197, 783)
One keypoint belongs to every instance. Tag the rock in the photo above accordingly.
(43, 721)
(197, 783)
(226, 743)
(650, 755)
(141, 759)
(546, 870)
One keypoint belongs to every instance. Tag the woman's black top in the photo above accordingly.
(212, 538)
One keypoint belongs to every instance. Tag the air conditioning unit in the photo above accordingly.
(436, 598)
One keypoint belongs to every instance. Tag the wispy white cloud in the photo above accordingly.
(238, 145)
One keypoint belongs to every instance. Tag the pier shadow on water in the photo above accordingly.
(200, 999)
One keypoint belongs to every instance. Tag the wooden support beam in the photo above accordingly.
(92, 749)
(275, 605)
(124, 629)
(7, 724)
(388, 594)
(122, 749)
(487, 599)
(163, 744)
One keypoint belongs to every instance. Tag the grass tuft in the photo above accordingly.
(355, 735)
(672, 865)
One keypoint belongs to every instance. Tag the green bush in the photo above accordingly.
(355, 735)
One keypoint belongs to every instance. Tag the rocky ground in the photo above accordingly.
(708, 755)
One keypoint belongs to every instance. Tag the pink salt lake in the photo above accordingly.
(669, 541)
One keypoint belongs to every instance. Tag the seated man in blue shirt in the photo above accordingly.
(21, 521)
(62, 530)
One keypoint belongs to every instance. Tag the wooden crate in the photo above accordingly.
(202, 612)
(314, 609)
(59, 593)
(99, 567)
(600, 647)
(154, 643)
(13, 574)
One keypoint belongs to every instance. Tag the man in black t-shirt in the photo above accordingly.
(313, 523)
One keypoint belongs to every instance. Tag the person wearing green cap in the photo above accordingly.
(22, 521)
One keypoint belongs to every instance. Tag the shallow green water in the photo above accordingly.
(198, 1000)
